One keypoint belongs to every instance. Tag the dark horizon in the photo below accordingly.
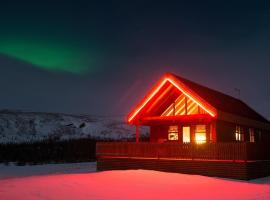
(101, 58)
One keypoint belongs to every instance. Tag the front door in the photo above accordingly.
(186, 134)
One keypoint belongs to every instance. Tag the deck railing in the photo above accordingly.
(214, 151)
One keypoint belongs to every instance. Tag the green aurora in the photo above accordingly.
(48, 54)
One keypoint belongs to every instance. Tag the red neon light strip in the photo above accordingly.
(156, 91)
(146, 101)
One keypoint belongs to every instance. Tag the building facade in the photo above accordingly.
(192, 126)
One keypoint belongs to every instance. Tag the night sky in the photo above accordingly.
(100, 58)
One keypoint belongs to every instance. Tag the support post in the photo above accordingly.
(137, 133)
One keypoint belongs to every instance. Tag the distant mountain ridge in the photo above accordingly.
(20, 127)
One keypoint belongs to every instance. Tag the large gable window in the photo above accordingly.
(183, 105)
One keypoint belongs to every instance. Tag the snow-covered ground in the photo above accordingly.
(14, 171)
(124, 185)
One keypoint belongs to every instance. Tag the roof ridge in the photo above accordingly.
(193, 82)
(187, 82)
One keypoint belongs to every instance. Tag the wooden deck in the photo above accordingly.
(231, 160)
(210, 151)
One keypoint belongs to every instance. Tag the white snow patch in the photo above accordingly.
(132, 185)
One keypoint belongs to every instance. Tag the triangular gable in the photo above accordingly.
(183, 106)
(185, 92)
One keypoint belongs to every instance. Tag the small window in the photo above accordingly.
(173, 133)
(239, 134)
(200, 134)
(251, 135)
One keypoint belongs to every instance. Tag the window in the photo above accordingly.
(239, 134)
(186, 134)
(173, 133)
(200, 134)
(251, 135)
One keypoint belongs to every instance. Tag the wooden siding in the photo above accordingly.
(214, 151)
(232, 160)
(226, 132)
(236, 119)
(236, 170)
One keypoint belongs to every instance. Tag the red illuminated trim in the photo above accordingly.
(136, 111)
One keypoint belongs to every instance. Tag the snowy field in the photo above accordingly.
(80, 181)
(13, 171)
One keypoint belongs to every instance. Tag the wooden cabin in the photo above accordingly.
(193, 129)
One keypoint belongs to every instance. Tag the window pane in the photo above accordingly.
(186, 134)
(251, 135)
(200, 134)
(173, 133)
(239, 133)
(200, 138)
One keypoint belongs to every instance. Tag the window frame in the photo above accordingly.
(239, 134)
(183, 136)
(251, 135)
(173, 130)
(200, 131)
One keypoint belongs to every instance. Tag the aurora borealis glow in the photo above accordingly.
(100, 57)
(48, 55)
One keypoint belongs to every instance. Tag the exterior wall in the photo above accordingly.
(265, 136)
(228, 169)
(226, 132)
(159, 133)
(221, 131)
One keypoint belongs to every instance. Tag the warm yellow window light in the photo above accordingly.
(173, 133)
(200, 138)
(186, 134)
(200, 134)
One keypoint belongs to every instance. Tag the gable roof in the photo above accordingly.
(223, 102)
(208, 99)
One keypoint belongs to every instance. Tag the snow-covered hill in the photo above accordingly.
(19, 127)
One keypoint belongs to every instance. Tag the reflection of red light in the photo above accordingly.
(135, 112)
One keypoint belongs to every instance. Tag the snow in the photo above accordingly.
(14, 171)
(21, 127)
(129, 184)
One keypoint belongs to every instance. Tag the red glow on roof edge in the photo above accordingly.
(169, 78)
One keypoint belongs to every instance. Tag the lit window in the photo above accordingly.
(173, 133)
(239, 135)
(200, 134)
(186, 134)
(251, 135)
